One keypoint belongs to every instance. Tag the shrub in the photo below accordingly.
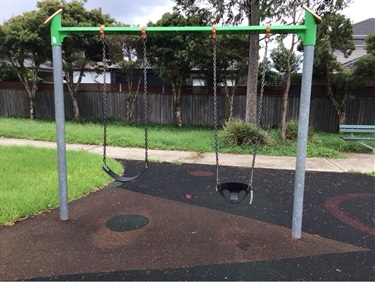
(291, 132)
(237, 132)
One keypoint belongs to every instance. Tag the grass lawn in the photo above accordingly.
(29, 175)
(29, 179)
(188, 138)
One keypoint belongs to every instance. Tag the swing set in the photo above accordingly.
(232, 192)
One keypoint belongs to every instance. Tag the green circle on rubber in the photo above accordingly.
(128, 222)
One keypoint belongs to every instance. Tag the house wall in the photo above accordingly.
(92, 77)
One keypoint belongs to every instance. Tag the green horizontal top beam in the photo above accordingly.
(307, 31)
(109, 30)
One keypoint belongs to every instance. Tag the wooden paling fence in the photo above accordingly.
(197, 109)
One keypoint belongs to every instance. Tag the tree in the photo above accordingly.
(364, 68)
(291, 12)
(173, 56)
(232, 54)
(79, 50)
(370, 44)
(334, 33)
(127, 51)
(345, 83)
(272, 77)
(132, 77)
(279, 57)
(7, 73)
(286, 62)
(24, 47)
(234, 12)
(231, 64)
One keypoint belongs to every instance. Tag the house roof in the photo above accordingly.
(356, 54)
(364, 27)
(360, 31)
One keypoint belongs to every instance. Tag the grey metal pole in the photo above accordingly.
(60, 130)
(303, 127)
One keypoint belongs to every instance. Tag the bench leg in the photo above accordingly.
(367, 146)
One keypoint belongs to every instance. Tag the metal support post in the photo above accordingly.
(303, 128)
(60, 131)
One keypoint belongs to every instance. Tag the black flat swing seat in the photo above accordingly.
(119, 178)
(233, 192)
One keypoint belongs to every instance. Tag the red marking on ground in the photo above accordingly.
(332, 206)
(201, 173)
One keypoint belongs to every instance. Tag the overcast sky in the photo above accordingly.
(142, 11)
(126, 11)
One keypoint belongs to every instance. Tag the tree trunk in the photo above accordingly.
(129, 108)
(339, 107)
(30, 89)
(230, 106)
(73, 88)
(284, 111)
(342, 109)
(130, 101)
(177, 103)
(342, 117)
(286, 92)
(73, 96)
(252, 76)
(229, 92)
(31, 105)
(77, 115)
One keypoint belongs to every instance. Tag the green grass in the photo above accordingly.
(29, 175)
(188, 138)
(118, 134)
(29, 182)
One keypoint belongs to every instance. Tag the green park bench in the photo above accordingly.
(358, 129)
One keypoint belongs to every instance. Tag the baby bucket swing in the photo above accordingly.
(235, 192)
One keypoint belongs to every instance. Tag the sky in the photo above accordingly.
(134, 12)
(140, 12)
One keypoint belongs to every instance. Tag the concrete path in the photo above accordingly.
(354, 162)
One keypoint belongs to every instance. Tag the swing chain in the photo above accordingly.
(145, 64)
(215, 109)
(104, 103)
(260, 104)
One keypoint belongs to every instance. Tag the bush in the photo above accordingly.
(291, 132)
(237, 132)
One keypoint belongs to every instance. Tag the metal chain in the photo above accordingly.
(123, 179)
(260, 104)
(145, 100)
(145, 64)
(214, 48)
(104, 104)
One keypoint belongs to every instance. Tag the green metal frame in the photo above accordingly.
(306, 31)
